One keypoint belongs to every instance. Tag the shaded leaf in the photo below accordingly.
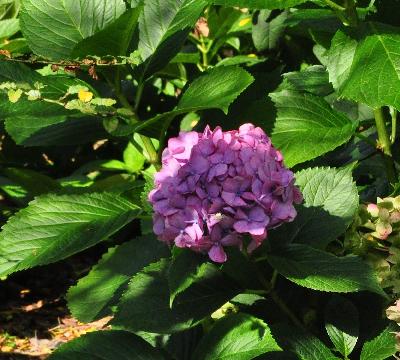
(319, 270)
(145, 306)
(107, 345)
(92, 297)
(54, 227)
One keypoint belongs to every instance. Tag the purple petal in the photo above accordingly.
(217, 254)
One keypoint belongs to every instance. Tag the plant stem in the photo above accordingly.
(384, 143)
(147, 143)
(282, 305)
(394, 126)
(383, 135)
(269, 286)
(334, 6)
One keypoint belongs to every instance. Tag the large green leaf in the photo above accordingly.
(236, 337)
(54, 227)
(330, 202)
(319, 270)
(113, 40)
(145, 306)
(164, 26)
(303, 344)
(107, 345)
(92, 297)
(186, 268)
(341, 324)
(8, 28)
(307, 127)
(53, 29)
(216, 89)
(36, 130)
(382, 347)
(339, 58)
(266, 32)
(333, 189)
(374, 77)
(260, 4)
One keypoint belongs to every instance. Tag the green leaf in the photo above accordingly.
(133, 158)
(307, 127)
(333, 189)
(341, 324)
(186, 268)
(107, 345)
(53, 31)
(314, 79)
(339, 58)
(36, 130)
(217, 89)
(92, 297)
(330, 202)
(382, 347)
(8, 28)
(374, 77)
(260, 4)
(113, 40)
(303, 344)
(54, 227)
(319, 270)
(164, 26)
(145, 306)
(266, 32)
(236, 337)
(33, 181)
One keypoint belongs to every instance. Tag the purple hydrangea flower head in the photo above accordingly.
(216, 187)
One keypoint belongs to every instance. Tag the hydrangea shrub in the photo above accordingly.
(140, 128)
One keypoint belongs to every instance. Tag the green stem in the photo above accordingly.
(383, 135)
(269, 286)
(334, 6)
(147, 143)
(394, 126)
(384, 143)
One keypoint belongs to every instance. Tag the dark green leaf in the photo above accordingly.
(186, 268)
(374, 77)
(341, 324)
(54, 131)
(164, 26)
(236, 337)
(382, 347)
(107, 345)
(54, 227)
(113, 40)
(267, 32)
(303, 344)
(319, 270)
(145, 306)
(92, 297)
(260, 4)
(218, 88)
(307, 127)
(34, 182)
(314, 79)
(53, 31)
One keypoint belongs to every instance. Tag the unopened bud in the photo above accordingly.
(373, 210)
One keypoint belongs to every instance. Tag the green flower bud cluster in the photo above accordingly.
(375, 235)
